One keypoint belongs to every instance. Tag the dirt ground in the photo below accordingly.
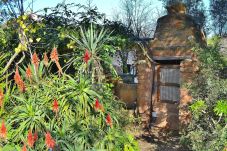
(153, 140)
(150, 143)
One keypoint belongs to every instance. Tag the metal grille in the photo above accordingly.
(169, 75)
(169, 93)
(169, 84)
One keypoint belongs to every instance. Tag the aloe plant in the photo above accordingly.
(3, 60)
(94, 41)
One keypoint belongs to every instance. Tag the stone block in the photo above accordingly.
(185, 97)
(126, 92)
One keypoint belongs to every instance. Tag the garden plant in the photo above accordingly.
(45, 107)
(208, 127)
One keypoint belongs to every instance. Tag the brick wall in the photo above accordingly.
(175, 36)
(144, 91)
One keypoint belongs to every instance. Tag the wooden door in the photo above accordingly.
(169, 84)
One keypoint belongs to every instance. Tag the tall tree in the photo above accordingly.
(195, 8)
(137, 16)
(12, 8)
(218, 11)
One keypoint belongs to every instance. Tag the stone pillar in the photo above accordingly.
(144, 90)
(189, 69)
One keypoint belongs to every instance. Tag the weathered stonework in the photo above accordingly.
(174, 38)
(175, 35)
(127, 93)
(143, 91)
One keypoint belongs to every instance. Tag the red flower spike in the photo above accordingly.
(98, 106)
(17, 77)
(3, 130)
(54, 55)
(59, 67)
(1, 97)
(45, 59)
(50, 143)
(24, 147)
(35, 137)
(55, 106)
(29, 73)
(30, 139)
(35, 60)
(19, 81)
(21, 86)
(87, 56)
(109, 120)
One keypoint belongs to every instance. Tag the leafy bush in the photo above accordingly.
(97, 52)
(41, 110)
(208, 128)
(61, 111)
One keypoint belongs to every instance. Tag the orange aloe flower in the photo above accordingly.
(1, 97)
(45, 60)
(54, 55)
(19, 81)
(29, 73)
(87, 56)
(24, 147)
(17, 77)
(35, 60)
(59, 67)
(55, 106)
(3, 130)
(50, 143)
(98, 106)
(109, 120)
(30, 139)
(21, 86)
(35, 137)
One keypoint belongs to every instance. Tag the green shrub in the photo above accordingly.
(208, 128)
(73, 110)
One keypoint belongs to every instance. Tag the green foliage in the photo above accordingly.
(95, 42)
(208, 128)
(210, 56)
(3, 59)
(221, 108)
(2, 38)
(208, 84)
(198, 108)
(76, 125)
(219, 16)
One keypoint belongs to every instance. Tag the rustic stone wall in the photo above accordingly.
(174, 115)
(127, 93)
(144, 90)
(176, 32)
(188, 69)
(175, 35)
(174, 38)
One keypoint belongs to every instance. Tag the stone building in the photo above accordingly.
(160, 90)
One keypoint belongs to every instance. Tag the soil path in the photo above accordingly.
(153, 141)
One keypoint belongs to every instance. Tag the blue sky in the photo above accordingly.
(104, 6)
(109, 7)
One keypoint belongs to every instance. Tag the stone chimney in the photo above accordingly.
(176, 31)
(175, 36)
(178, 8)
